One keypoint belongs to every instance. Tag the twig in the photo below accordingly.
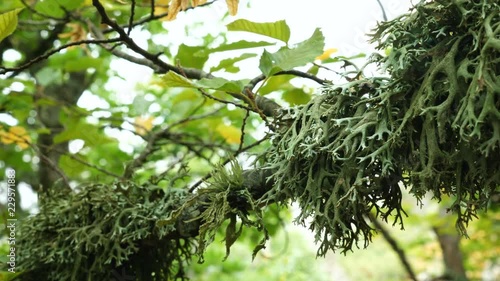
(154, 58)
(384, 15)
(242, 137)
(4, 70)
(83, 162)
(223, 101)
(394, 245)
(131, 19)
(297, 73)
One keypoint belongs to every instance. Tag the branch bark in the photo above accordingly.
(395, 247)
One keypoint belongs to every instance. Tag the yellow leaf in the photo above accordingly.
(232, 6)
(4, 137)
(326, 54)
(161, 8)
(143, 125)
(231, 134)
(8, 23)
(173, 9)
(15, 135)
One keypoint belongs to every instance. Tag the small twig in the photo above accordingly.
(196, 117)
(384, 15)
(223, 101)
(242, 137)
(297, 73)
(83, 162)
(4, 70)
(152, 13)
(394, 245)
(131, 19)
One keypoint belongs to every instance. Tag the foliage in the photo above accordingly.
(433, 125)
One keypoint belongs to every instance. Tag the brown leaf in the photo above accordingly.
(232, 6)
(173, 9)
(184, 4)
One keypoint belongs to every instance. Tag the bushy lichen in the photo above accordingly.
(103, 232)
(432, 126)
(228, 197)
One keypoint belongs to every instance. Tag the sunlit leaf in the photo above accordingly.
(143, 125)
(228, 64)
(286, 59)
(242, 44)
(296, 97)
(191, 56)
(278, 82)
(343, 58)
(231, 134)
(172, 79)
(8, 23)
(326, 54)
(277, 30)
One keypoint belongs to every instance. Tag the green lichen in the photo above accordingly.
(103, 232)
(432, 126)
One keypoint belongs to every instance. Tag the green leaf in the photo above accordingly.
(240, 45)
(343, 58)
(286, 59)
(192, 56)
(221, 84)
(277, 30)
(49, 75)
(89, 133)
(83, 64)
(172, 79)
(8, 23)
(228, 64)
(57, 8)
(70, 4)
(275, 83)
(296, 97)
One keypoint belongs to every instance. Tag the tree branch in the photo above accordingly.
(4, 70)
(395, 247)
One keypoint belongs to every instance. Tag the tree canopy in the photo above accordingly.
(145, 185)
